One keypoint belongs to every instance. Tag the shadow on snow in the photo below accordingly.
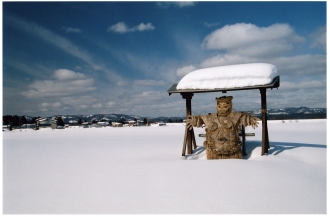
(275, 148)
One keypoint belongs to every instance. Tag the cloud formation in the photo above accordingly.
(65, 83)
(209, 25)
(71, 29)
(319, 38)
(242, 38)
(286, 85)
(179, 4)
(122, 28)
(65, 74)
(248, 43)
(149, 83)
(180, 72)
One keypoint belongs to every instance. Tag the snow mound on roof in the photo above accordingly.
(231, 76)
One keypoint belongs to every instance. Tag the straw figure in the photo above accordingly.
(222, 129)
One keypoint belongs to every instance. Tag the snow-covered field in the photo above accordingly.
(141, 170)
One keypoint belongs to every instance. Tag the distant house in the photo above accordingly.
(131, 123)
(6, 127)
(31, 126)
(47, 125)
(116, 124)
(85, 125)
(102, 124)
(53, 125)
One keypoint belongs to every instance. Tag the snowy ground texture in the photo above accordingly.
(141, 170)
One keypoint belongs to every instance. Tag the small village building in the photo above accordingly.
(53, 125)
(102, 124)
(130, 123)
(85, 125)
(116, 124)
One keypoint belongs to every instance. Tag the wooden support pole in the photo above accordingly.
(265, 138)
(243, 141)
(189, 136)
(194, 140)
(184, 142)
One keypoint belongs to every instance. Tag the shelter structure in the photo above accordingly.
(259, 76)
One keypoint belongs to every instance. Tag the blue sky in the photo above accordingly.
(122, 57)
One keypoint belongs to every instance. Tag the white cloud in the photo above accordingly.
(57, 104)
(98, 105)
(319, 38)
(71, 29)
(180, 72)
(242, 38)
(110, 104)
(65, 74)
(209, 25)
(179, 4)
(122, 83)
(301, 65)
(122, 28)
(292, 66)
(184, 4)
(149, 83)
(226, 59)
(66, 83)
(286, 85)
(45, 104)
(49, 106)
(144, 27)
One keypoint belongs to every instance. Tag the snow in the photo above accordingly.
(140, 170)
(231, 76)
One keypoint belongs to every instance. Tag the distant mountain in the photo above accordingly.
(114, 118)
(293, 113)
(272, 114)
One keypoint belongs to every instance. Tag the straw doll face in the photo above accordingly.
(224, 108)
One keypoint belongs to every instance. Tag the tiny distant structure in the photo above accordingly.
(53, 125)
(116, 124)
(102, 124)
(84, 125)
(260, 76)
(38, 121)
(131, 123)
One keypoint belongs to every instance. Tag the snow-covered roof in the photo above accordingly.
(231, 76)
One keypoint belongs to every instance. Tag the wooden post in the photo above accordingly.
(243, 141)
(265, 139)
(189, 136)
(184, 142)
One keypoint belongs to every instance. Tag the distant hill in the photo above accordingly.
(272, 114)
(293, 113)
